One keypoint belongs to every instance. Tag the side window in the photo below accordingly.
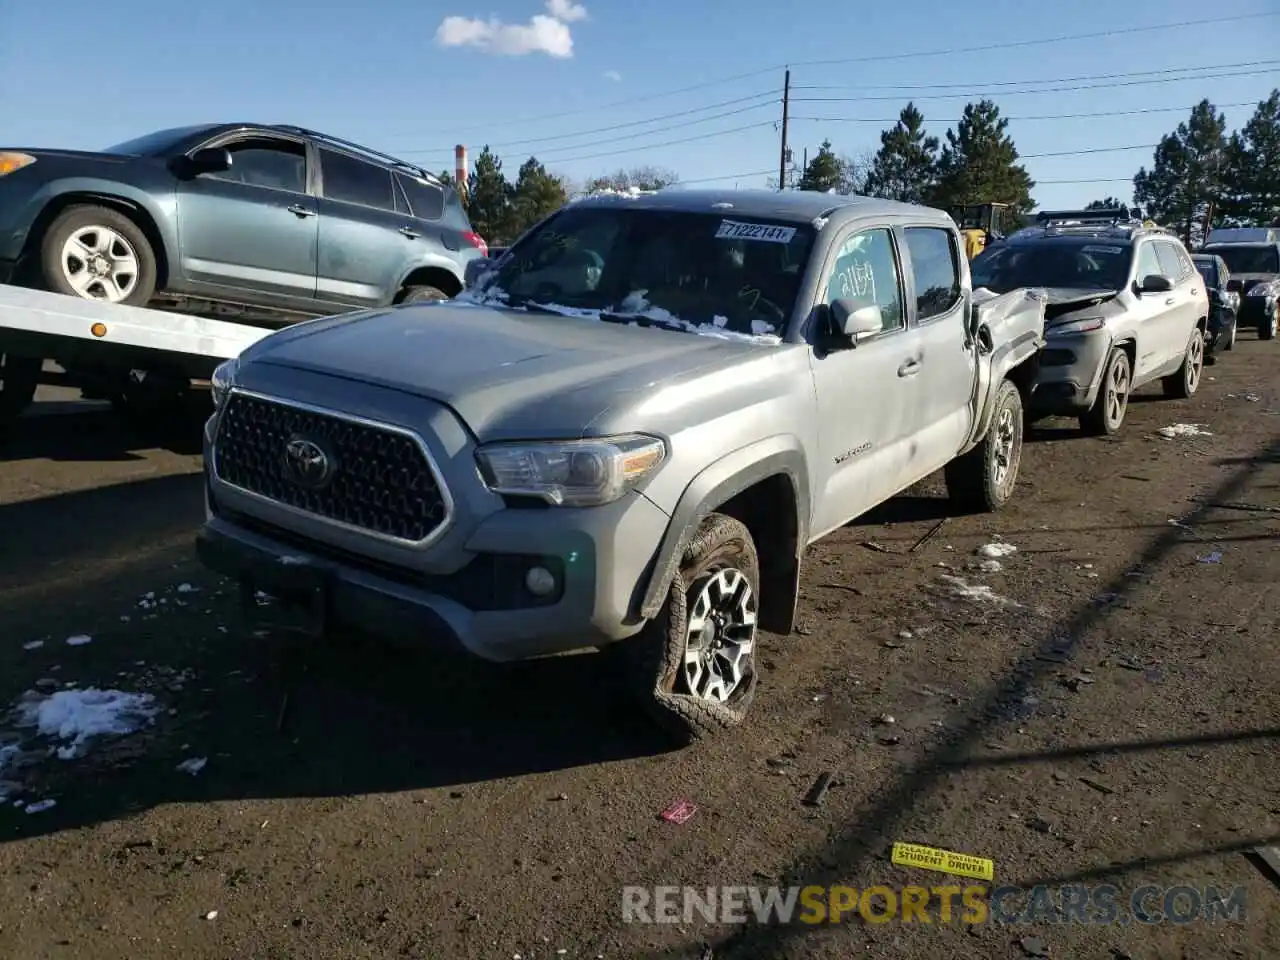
(426, 200)
(1148, 263)
(276, 164)
(866, 272)
(354, 181)
(1170, 263)
(936, 270)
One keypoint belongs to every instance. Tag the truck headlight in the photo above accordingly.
(571, 473)
(223, 379)
(1084, 325)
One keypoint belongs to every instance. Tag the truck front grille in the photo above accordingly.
(362, 475)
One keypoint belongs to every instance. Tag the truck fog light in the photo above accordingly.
(539, 581)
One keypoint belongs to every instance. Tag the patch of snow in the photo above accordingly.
(978, 592)
(193, 765)
(990, 566)
(40, 806)
(186, 588)
(631, 192)
(994, 551)
(290, 561)
(79, 640)
(77, 716)
(1184, 430)
(33, 645)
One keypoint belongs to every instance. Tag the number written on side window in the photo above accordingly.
(426, 200)
(277, 166)
(354, 181)
(936, 270)
(866, 272)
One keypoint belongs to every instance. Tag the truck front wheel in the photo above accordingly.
(694, 665)
(983, 479)
(96, 253)
(19, 377)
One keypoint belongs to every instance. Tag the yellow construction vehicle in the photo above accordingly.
(980, 225)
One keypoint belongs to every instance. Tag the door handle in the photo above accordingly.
(299, 210)
(909, 368)
(1171, 301)
(410, 233)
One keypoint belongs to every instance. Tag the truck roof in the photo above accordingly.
(794, 206)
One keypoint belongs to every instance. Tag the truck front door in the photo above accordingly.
(866, 423)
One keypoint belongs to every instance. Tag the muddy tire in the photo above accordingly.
(19, 377)
(694, 665)
(422, 295)
(983, 480)
(1267, 328)
(96, 253)
(1106, 416)
(1184, 384)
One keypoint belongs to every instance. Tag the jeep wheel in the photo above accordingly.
(984, 478)
(1184, 384)
(97, 253)
(695, 663)
(19, 377)
(422, 294)
(1267, 327)
(1107, 413)
(1231, 336)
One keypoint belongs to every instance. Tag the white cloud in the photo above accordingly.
(566, 11)
(613, 75)
(542, 34)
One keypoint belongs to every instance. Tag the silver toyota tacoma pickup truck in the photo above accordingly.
(623, 436)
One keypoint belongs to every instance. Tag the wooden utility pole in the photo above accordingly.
(782, 156)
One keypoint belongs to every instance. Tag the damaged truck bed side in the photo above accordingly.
(623, 436)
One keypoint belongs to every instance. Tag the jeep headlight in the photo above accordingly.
(223, 379)
(1083, 325)
(571, 473)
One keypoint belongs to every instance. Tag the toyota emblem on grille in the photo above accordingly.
(307, 463)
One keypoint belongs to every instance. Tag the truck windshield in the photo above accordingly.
(1241, 258)
(155, 144)
(700, 272)
(1080, 266)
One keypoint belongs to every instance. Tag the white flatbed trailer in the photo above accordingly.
(36, 325)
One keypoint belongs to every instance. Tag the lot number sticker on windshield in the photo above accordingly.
(764, 232)
(1100, 249)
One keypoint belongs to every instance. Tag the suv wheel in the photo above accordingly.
(1267, 328)
(421, 294)
(695, 663)
(96, 253)
(984, 478)
(1184, 384)
(1107, 413)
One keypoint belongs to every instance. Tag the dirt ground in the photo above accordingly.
(1104, 713)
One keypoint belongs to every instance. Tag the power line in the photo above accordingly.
(1046, 116)
(1042, 41)
(1015, 83)
(970, 94)
(639, 133)
(1081, 153)
(668, 143)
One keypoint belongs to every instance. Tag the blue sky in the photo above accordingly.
(406, 78)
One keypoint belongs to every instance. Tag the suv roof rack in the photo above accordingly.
(386, 158)
(1112, 217)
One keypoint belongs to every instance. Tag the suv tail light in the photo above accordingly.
(476, 241)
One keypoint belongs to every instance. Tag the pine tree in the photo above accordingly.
(979, 164)
(1108, 203)
(1251, 188)
(825, 171)
(1187, 171)
(489, 199)
(906, 165)
(536, 194)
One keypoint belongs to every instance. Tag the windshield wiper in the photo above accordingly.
(643, 320)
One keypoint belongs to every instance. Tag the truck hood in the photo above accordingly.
(507, 373)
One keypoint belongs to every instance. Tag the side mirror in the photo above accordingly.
(1155, 283)
(209, 160)
(853, 321)
(476, 270)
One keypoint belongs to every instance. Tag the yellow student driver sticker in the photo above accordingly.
(943, 861)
